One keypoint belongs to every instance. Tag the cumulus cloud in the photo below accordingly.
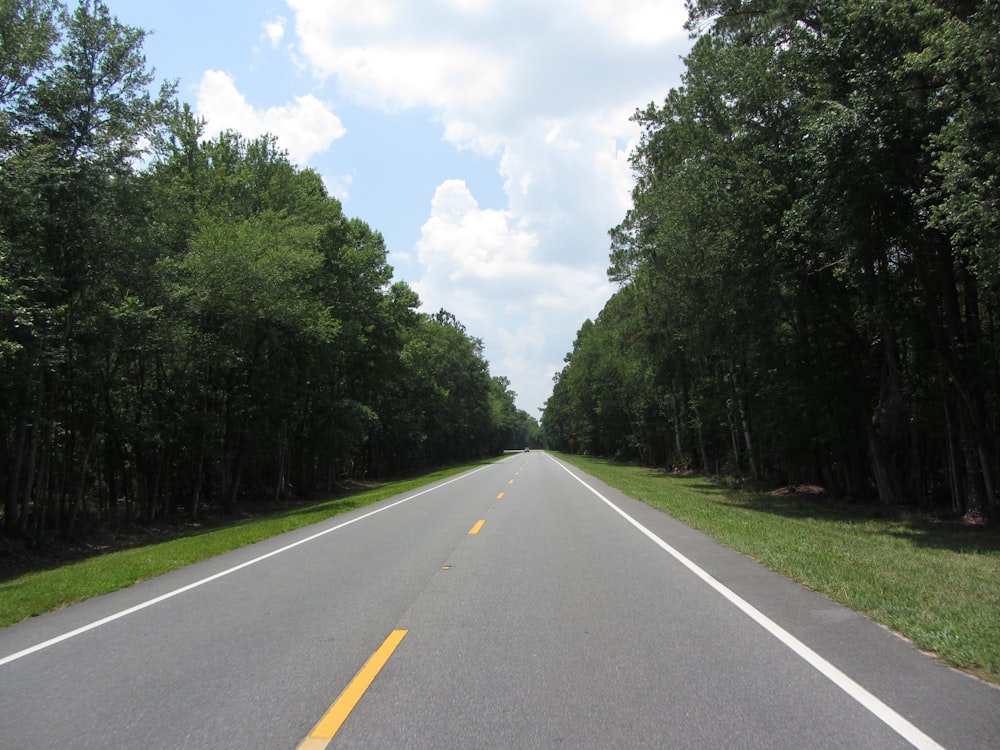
(465, 243)
(546, 89)
(304, 128)
(484, 267)
(406, 74)
(274, 31)
(486, 65)
(648, 22)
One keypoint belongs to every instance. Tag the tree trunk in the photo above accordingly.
(701, 438)
(678, 445)
(739, 396)
(199, 475)
(956, 485)
(976, 462)
(961, 352)
(29, 476)
(14, 466)
(279, 482)
(887, 433)
(81, 484)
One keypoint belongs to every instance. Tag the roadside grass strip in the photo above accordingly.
(41, 591)
(936, 584)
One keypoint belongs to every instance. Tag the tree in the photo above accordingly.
(77, 125)
(809, 250)
(189, 322)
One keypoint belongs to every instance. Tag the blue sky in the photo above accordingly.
(487, 140)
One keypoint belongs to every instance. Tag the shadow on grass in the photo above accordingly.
(961, 538)
(174, 530)
(919, 530)
(17, 559)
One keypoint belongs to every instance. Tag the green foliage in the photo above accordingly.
(191, 321)
(253, 275)
(808, 271)
(27, 35)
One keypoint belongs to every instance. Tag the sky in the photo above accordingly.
(487, 140)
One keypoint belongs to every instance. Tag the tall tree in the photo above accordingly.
(809, 247)
(80, 125)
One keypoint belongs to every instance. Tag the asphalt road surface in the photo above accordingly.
(520, 605)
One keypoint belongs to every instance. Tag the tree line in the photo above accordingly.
(186, 322)
(809, 276)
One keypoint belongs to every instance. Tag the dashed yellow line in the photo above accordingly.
(500, 496)
(331, 722)
(476, 529)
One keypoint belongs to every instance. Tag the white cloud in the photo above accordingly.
(348, 15)
(482, 266)
(339, 186)
(304, 128)
(274, 31)
(544, 87)
(647, 22)
(402, 74)
(471, 250)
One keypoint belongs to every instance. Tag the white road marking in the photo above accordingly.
(170, 594)
(900, 725)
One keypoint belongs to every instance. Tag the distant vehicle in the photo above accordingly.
(527, 450)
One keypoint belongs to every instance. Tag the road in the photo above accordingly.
(521, 605)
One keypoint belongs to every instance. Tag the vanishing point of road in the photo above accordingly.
(520, 605)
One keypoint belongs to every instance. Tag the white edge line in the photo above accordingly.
(898, 723)
(170, 594)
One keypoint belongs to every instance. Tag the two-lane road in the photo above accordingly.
(522, 605)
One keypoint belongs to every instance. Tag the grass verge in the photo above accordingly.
(937, 584)
(37, 592)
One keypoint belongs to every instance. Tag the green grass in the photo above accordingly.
(937, 584)
(40, 591)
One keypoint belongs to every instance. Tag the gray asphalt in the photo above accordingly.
(560, 624)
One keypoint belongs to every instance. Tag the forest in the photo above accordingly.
(188, 323)
(809, 276)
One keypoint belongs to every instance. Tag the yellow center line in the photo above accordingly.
(475, 529)
(500, 496)
(511, 482)
(327, 727)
